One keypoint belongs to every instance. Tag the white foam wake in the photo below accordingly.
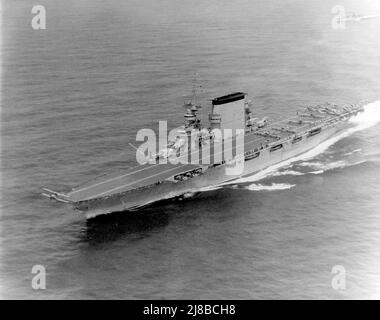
(317, 172)
(368, 118)
(321, 167)
(211, 188)
(286, 173)
(352, 152)
(272, 187)
(324, 166)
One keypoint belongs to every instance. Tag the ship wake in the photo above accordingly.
(272, 187)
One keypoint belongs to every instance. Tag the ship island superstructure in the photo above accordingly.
(263, 144)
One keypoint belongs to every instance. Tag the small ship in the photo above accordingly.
(255, 143)
(351, 16)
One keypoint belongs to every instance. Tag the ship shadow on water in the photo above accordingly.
(136, 224)
(141, 223)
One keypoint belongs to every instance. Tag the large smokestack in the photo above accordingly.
(231, 109)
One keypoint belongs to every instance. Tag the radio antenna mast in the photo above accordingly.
(194, 91)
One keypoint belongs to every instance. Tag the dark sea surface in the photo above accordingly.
(74, 95)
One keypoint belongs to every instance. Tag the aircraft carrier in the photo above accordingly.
(204, 156)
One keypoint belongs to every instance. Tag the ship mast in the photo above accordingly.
(191, 120)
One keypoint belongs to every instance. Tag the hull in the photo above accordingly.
(263, 146)
(135, 198)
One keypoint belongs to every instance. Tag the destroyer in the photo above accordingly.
(264, 144)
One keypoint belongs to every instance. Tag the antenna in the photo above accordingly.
(194, 91)
(193, 100)
(195, 86)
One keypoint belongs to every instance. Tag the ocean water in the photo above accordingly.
(74, 95)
